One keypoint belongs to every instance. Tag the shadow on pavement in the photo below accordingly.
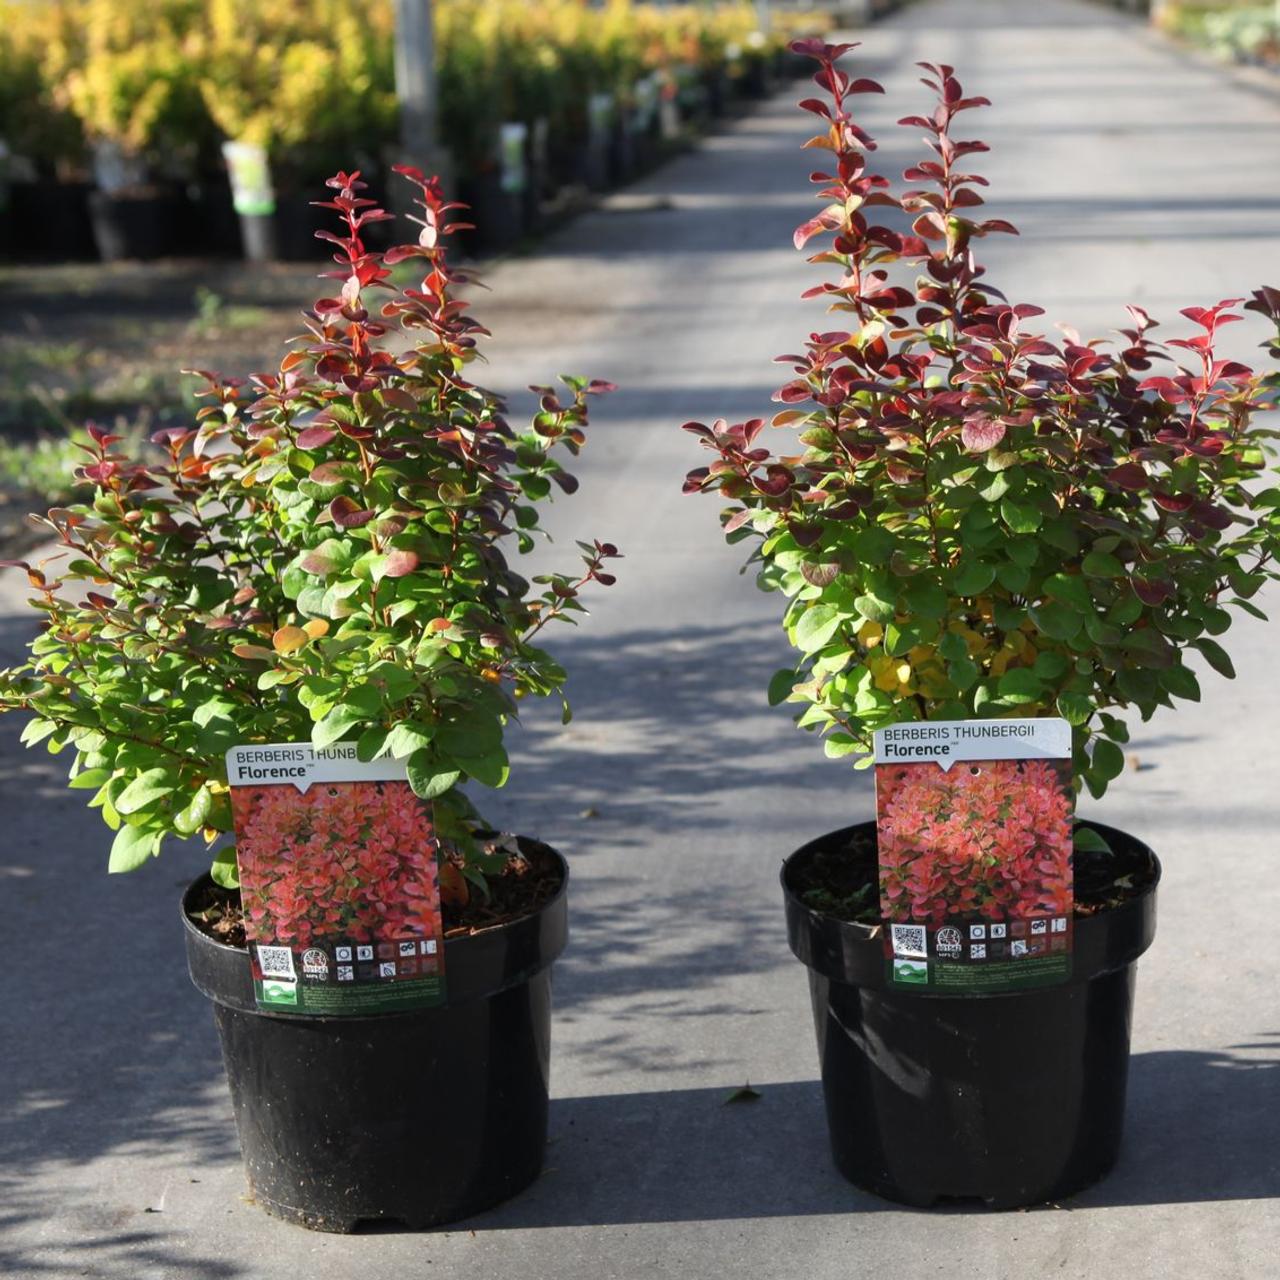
(1201, 1127)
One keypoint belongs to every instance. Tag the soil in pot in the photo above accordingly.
(1005, 1098)
(840, 879)
(421, 1117)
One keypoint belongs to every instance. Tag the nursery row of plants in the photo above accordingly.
(114, 117)
(1247, 33)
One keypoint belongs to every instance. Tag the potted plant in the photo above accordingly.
(293, 88)
(978, 522)
(323, 558)
(133, 91)
(47, 210)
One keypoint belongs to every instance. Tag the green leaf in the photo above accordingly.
(1139, 685)
(996, 487)
(973, 578)
(780, 686)
(1020, 517)
(1056, 621)
(1181, 682)
(89, 778)
(1019, 686)
(1108, 759)
(1087, 840)
(816, 625)
(189, 820)
(953, 648)
(1059, 535)
(144, 790)
(427, 779)
(407, 737)
(1071, 589)
(1075, 708)
(926, 600)
(477, 736)
(874, 609)
(1023, 551)
(899, 639)
(225, 871)
(1013, 578)
(1100, 564)
(491, 769)
(838, 745)
(1051, 665)
(336, 724)
(1216, 656)
(132, 847)
(873, 546)
(370, 743)
(36, 730)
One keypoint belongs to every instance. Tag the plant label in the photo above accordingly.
(249, 170)
(974, 828)
(339, 881)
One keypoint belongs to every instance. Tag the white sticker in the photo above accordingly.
(946, 742)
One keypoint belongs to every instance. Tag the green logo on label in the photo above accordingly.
(911, 971)
(277, 992)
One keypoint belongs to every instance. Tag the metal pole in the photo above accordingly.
(416, 86)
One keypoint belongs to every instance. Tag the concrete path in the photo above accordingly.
(1135, 176)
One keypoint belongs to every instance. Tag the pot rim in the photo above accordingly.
(852, 952)
(476, 965)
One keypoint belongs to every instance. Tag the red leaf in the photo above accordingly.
(1173, 501)
(1149, 590)
(315, 437)
(347, 515)
(981, 433)
(1129, 475)
(399, 562)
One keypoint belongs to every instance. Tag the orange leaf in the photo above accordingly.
(253, 651)
(453, 886)
(289, 640)
(316, 628)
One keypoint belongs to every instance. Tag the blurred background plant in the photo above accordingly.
(1245, 32)
(113, 120)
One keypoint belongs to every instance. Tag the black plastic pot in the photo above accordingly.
(211, 226)
(50, 220)
(496, 214)
(138, 227)
(1012, 1099)
(422, 1117)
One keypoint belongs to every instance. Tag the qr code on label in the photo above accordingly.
(909, 940)
(276, 962)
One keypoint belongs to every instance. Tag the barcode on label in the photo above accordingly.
(276, 962)
(910, 940)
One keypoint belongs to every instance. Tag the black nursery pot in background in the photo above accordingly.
(135, 227)
(1011, 1099)
(50, 220)
(422, 1117)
